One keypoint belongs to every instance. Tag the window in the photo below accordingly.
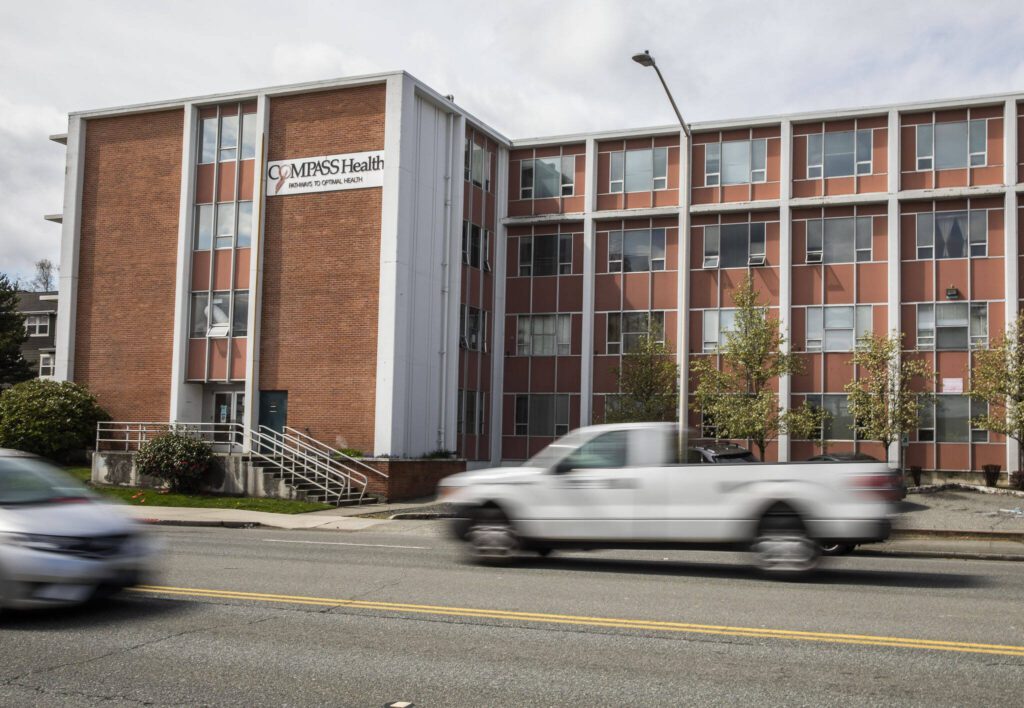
(717, 324)
(545, 255)
(240, 315)
(543, 335)
(46, 364)
(979, 409)
(546, 177)
(37, 325)
(842, 240)
(952, 234)
(639, 170)
(244, 225)
(472, 326)
(248, 136)
(836, 328)
(952, 326)
(203, 237)
(225, 225)
(944, 146)
(734, 245)
(602, 452)
(636, 251)
(470, 413)
(478, 164)
(199, 319)
(951, 419)
(475, 246)
(735, 162)
(626, 328)
(208, 140)
(228, 138)
(218, 313)
(542, 414)
(839, 154)
(839, 423)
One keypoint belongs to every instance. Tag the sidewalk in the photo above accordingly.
(235, 518)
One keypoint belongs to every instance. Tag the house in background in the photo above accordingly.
(40, 310)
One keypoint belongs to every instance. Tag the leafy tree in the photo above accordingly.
(44, 278)
(648, 385)
(998, 380)
(886, 397)
(179, 459)
(54, 419)
(13, 367)
(738, 397)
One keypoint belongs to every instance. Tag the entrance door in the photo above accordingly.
(274, 409)
(228, 408)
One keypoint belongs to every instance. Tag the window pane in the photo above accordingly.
(864, 238)
(814, 236)
(925, 234)
(219, 307)
(225, 224)
(757, 239)
(924, 140)
(838, 340)
(979, 322)
(526, 179)
(758, 154)
(864, 320)
(525, 256)
(616, 171)
(244, 224)
(199, 316)
(840, 427)
(977, 137)
(522, 414)
(547, 180)
(736, 162)
(950, 145)
(951, 338)
(838, 317)
(545, 255)
(839, 154)
(661, 162)
(248, 135)
(712, 158)
(710, 245)
(240, 325)
(815, 328)
(565, 253)
(542, 415)
(726, 323)
(639, 170)
(734, 245)
(522, 335)
(710, 329)
(950, 234)
(925, 321)
(614, 332)
(208, 140)
(228, 137)
(564, 334)
(979, 227)
(839, 240)
(952, 418)
(204, 227)
(636, 251)
(814, 150)
(953, 314)
(863, 146)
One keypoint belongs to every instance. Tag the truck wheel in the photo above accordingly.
(491, 538)
(783, 549)
(836, 549)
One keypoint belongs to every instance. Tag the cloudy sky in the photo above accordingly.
(528, 68)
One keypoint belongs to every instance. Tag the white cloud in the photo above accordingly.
(292, 63)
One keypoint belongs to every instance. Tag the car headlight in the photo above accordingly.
(33, 542)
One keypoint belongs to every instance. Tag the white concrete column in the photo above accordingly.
(498, 328)
(71, 229)
(683, 284)
(589, 271)
(893, 230)
(785, 271)
(1012, 261)
(451, 343)
(396, 213)
(259, 203)
(186, 399)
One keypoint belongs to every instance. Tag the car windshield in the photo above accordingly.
(554, 452)
(26, 480)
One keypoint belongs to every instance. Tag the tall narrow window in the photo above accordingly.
(244, 225)
(525, 256)
(225, 225)
(228, 138)
(203, 238)
(248, 136)
(617, 178)
(565, 254)
(712, 164)
(208, 140)
(639, 170)
(220, 308)
(240, 315)
(199, 319)
(711, 246)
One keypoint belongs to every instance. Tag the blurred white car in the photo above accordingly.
(60, 543)
(623, 486)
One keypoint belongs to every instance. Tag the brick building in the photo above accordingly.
(365, 260)
(40, 311)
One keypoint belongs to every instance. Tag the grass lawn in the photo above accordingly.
(154, 497)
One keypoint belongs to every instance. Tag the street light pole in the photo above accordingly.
(683, 296)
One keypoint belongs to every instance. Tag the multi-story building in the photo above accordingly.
(368, 261)
(40, 311)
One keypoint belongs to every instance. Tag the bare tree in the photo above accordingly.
(45, 278)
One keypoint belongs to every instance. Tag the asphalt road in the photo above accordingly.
(394, 613)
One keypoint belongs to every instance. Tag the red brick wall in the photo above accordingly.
(127, 262)
(321, 271)
(410, 479)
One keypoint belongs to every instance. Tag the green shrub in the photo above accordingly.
(351, 452)
(440, 454)
(54, 419)
(180, 460)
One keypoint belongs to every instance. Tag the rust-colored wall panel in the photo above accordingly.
(246, 180)
(664, 290)
(242, 268)
(605, 380)
(838, 371)
(987, 278)
(916, 281)
(303, 294)
(839, 284)
(570, 293)
(226, 182)
(636, 291)
(807, 285)
(129, 221)
(607, 291)
(222, 269)
(950, 178)
(703, 288)
(200, 270)
(238, 349)
(766, 283)
(545, 294)
(196, 368)
(542, 374)
(951, 273)
(809, 380)
(839, 185)
(951, 456)
(871, 282)
(204, 183)
(218, 359)
(568, 375)
(517, 295)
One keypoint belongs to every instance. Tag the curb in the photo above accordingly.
(930, 488)
(422, 516)
(202, 524)
(954, 555)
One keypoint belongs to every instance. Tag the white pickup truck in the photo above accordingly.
(621, 486)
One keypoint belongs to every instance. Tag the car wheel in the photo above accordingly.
(836, 549)
(492, 540)
(782, 548)
(543, 552)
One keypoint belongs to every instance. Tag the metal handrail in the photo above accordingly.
(323, 468)
(328, 460)
(313, 442)
(130, 435)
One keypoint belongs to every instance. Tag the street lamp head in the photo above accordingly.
(644, 58)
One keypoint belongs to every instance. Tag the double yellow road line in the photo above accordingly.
(605, 622)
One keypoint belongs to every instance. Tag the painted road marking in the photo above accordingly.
(341, 543)
(608, 622)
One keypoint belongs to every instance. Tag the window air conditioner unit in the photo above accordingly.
(814, 257)
(756, 260)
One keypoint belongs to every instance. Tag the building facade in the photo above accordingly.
(40, 311)
(449, 288)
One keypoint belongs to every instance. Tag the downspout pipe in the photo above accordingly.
(445, 289)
